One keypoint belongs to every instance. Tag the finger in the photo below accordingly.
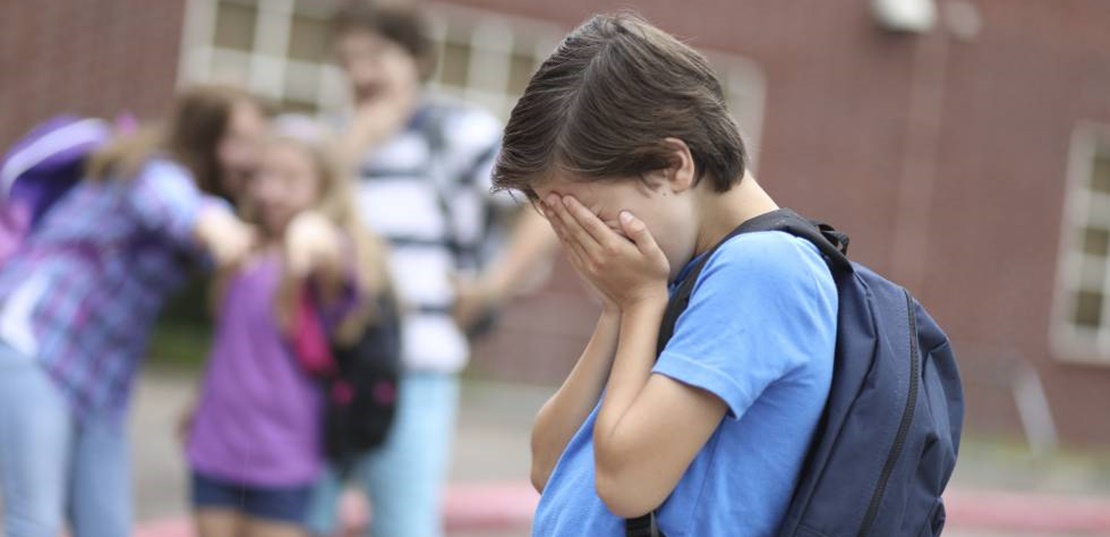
(573, 230)
(589, 221)
(575, 253)
(638, 232)
(556, 224)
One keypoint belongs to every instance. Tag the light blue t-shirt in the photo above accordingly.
(759, 333)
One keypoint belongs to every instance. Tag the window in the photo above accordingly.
(279, 49)
(1083, 296)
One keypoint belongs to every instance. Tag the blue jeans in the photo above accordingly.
(52, 465)
(404, 478)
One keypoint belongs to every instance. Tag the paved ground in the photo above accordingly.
(492, 446)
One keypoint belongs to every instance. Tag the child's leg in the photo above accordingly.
(220, 522)
(100, 493)
(277, 511)
(36, 432)
(405, 477)
(323, 508)
(218, 507)
(266, 528)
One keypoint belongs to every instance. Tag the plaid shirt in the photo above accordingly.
(92, 278)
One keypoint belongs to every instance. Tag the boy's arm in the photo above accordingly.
(650, 427)
(563, 414)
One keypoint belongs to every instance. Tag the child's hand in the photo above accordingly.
(625, 271)
(227, 239)
(309, 238)
(376, 119)
(474, 299)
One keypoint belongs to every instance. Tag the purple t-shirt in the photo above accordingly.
(258, 419)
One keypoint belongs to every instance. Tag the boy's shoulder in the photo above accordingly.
(768, 258)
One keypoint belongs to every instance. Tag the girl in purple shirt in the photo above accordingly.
(254, 445)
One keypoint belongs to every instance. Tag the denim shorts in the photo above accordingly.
(272, 504)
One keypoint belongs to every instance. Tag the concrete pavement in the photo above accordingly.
(492, 448)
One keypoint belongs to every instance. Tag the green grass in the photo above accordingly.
(178, 344)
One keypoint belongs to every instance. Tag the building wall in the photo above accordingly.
(84, 57)
(1014, 96)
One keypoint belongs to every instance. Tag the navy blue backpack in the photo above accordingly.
(888, 439)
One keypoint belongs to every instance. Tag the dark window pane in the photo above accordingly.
(1096, 241)
(1088, 309)
(235, 26)
(520, 72)
(308, 39)
(298, 107)
(456, 64)
(1100, 174)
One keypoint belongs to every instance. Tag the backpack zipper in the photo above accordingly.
(903, 428)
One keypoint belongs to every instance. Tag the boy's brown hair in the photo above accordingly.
(602, 104)
(401, 24)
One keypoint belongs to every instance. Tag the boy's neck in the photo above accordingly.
(722, 213)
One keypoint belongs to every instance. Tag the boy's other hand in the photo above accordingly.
(625, 271)
(474, 299)
(376, 119)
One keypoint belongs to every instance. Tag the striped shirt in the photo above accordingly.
(84, 291)
(427, 192)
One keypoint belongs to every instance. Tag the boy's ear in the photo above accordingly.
(680, 174)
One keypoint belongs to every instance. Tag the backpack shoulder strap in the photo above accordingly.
(832, 244)
(432, 126)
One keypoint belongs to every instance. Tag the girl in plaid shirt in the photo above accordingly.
(78, 302)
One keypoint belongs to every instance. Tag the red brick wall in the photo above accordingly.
(86, 58)
(945, 160)
(1013, 97)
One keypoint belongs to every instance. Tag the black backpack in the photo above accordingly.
(361, 397)
(887, 441)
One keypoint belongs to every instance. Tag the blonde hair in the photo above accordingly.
(335, 202)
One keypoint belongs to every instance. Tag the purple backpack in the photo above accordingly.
(39, 169)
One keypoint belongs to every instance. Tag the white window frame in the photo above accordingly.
(491, 37)
(1072, 343)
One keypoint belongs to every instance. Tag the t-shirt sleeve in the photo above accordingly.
(166, 202)
(763, 306)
